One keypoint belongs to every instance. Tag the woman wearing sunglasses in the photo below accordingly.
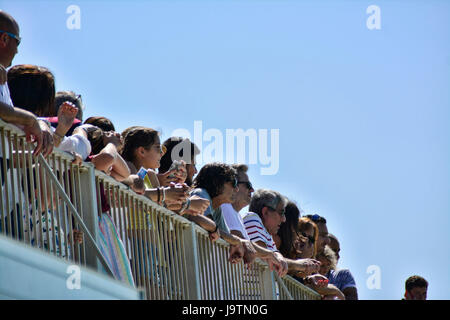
(306, 242)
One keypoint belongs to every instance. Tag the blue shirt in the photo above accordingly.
(341, 278)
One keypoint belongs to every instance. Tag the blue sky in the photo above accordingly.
(363, 115)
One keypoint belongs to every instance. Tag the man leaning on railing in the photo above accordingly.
(217, 182)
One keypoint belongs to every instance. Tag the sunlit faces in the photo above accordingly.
(323, 239)
(305, 243)
(335, 246)
(151, 156)
(273, 218)
(417, 293)
(228, 193)
(10, 44)
(244, 195)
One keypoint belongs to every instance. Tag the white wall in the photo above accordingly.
(29, 273)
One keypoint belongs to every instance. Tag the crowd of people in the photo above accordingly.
(273, 229)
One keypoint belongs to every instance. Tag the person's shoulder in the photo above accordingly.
(227, 209)
(226, 206)
(342, 272)
(252, 218)
(345, 278)
(251, 215)
(199, 192)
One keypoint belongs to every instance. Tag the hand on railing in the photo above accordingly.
(33, 133)
(316, 281)
(277, 263)
(135, 183)
(214, 235)
(77, 159)
(236, 253)
(47, 139)
(197, 206)
(249, 252)
(307, 266)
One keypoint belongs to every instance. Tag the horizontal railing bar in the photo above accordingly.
(288, 286)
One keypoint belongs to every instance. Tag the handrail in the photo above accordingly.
(14, 162)
(75, 213)
(283, 286)
(170, 257)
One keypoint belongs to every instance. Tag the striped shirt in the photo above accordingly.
(257, 232)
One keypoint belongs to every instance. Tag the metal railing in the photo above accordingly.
(132, 238)
(41, 202)
(294, 290)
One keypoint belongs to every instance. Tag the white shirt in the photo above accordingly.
(76, 143)
(257, 232)
(233, 219)
(5, 96)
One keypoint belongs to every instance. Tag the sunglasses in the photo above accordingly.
(248, 184)
(12, 35)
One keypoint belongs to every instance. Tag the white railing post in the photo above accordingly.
(90, 212)
(192, 262)
(268, 285)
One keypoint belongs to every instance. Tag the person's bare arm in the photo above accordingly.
(203, 221)
(3, 74)
(28, 122)
(16, 116)
(330, 290)
(135, 183)
(120, 170)
(103, 162)
(307, 266)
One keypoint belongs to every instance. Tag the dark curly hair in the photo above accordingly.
(135, 137)
(415, 281)
(213, 177)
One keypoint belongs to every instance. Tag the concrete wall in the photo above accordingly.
(29, 273)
